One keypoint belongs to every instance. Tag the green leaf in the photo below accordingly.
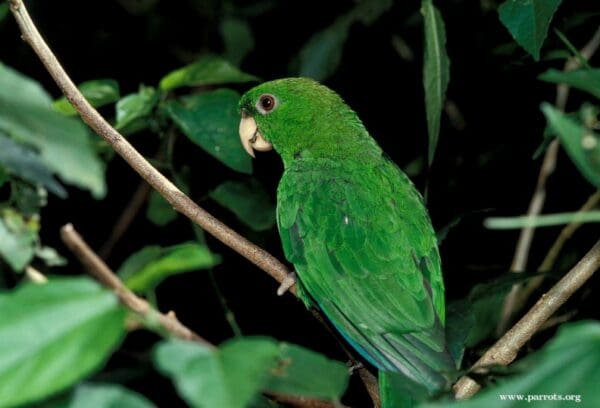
(133, 111)
(145, 269)
(566, 370)
(207, 70)
(582, 145)
(3, 176)
(305, 373)
(237, 39)
(548, 220)
(211, 120)
(107, 396)
(50, 256)
(159, 211)
(436, 72)
(3, 11)
(587, 80)
(63, 143)
(98, 92)
(528, 22)
(248, 201)
(322, 53)
(18, 239)
(53, 335)
(22, 162)
(227, 377)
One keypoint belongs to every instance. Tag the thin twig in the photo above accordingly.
(168, 322)
(521, 255)
(180, 202)
(125, 219)
(157, 180)
(504, 351)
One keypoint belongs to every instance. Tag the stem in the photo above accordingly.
(504, 351)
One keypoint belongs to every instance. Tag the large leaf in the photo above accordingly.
(228, 377)
(207, 70)
(564, 373)
(582, 144)
(211, 121)
(248, 201)
(528, 22)
(98, 92)
(133, 110)
(587, 80)
(295, 372)
(22, 162)
(107, 396)
(145, 269)
(436, 72)
(27, 115)
(53, 335)
(18, 239)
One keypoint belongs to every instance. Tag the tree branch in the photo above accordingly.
(159, 182)
(180, 202)
(521, 255)
(506, 348)
(167, 322)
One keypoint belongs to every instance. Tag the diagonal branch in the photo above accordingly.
(157, 180)
(505, 350)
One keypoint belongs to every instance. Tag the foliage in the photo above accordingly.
(171, 77)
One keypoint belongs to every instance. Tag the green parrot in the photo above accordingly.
(356, 230)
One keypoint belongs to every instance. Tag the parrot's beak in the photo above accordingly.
(251, 137)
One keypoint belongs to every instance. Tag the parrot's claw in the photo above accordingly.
(287, 283)
(354, 365)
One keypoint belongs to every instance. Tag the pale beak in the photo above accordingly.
(251, 137)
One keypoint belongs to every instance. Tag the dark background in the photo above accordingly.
(485, 165)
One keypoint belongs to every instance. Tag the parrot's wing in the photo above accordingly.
(364, 250)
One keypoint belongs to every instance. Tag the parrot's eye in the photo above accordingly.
(266, 103)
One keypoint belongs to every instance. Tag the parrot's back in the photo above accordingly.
(366, 254)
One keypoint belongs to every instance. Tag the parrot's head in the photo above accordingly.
(298, 117)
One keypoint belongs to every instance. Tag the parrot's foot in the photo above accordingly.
(287, 283)
(354, 365)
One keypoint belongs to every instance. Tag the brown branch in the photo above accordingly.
(505, 350)
(125, 219)
(141, 307)
(159, 182)
(536, 204)
(167, 322)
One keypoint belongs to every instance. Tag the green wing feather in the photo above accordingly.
(366, 254)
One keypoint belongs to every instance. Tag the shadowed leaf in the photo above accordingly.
(248, 201)
(107, 396)
(18, 238)
(211, 121)
(587, 80)
(528, 22)
(133, 110)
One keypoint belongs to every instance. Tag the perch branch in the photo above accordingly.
(96, 267)
(168, 322)
(505, 350)
(536, 204)
(157, 180)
